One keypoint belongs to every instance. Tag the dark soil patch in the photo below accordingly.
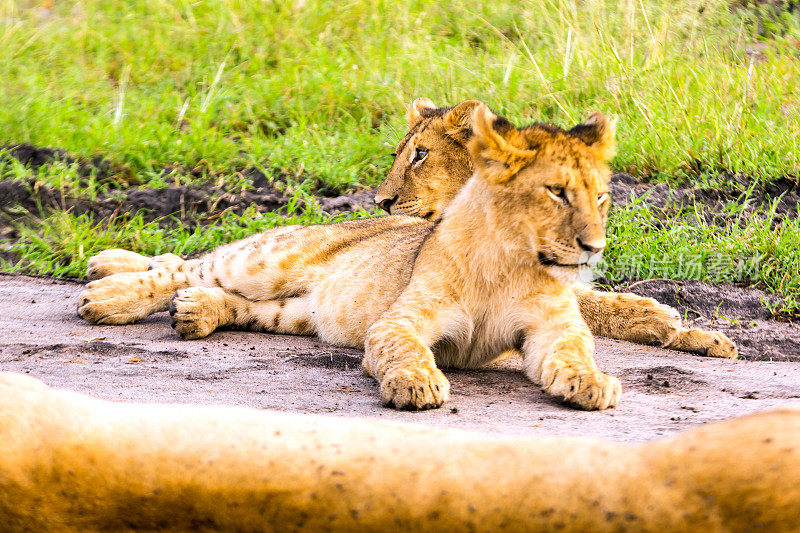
(741, 313)
(11, 257)
(200, 203)
(756, 197)
(88, 352)
(189, 205)
(759, 340)
(35, 157)
(695, 299)
(348, 202)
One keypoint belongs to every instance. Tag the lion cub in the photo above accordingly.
(495, 273)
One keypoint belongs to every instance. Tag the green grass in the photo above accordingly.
(62, 243)
(315, 91)
(747, 250)
(319, 87)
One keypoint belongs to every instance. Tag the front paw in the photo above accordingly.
(586, 389)
(415, 388)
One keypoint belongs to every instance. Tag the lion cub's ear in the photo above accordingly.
(458, 121)
(492, 147)
(598, 133)
(416, 108)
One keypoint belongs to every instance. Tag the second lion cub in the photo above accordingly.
(495, 273)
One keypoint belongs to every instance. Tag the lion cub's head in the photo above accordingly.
(431, 162)
(544, 188)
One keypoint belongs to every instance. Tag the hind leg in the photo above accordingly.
(251, 267)
(117, 261)
(128, 297)
(633, 318)
(198, 311)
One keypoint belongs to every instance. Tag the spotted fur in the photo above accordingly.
(495, 273)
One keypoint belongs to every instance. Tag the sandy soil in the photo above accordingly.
(663, 391)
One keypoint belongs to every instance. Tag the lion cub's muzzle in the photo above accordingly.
(577, 260)
(386, 203)
(582, 253)
(592, 247)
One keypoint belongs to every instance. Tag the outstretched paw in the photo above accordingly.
(118, 299)
(115, 261)
(196, 312)
(721, 346)
(414, 388)
(703, 342)
(586, 389)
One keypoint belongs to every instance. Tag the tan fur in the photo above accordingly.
(424, 189)
(71, 463)
(496, 273)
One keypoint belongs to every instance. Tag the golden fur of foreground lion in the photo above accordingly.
(72, 463)
(497, 272)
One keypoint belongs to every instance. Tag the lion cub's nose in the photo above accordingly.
(387, 204)
(592, 247)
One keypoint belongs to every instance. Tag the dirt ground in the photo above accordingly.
(738, 312)
(663, 391)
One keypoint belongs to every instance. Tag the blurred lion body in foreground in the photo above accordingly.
(72, 463)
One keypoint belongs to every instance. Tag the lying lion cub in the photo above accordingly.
(495, 273)
(431, 165)
(73, 463)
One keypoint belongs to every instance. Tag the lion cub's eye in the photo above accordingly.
(558, 193)
(419, 155)
(602, 198)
